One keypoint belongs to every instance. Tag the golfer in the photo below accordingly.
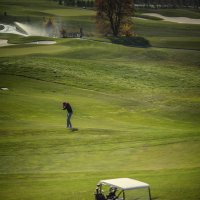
(67, 106)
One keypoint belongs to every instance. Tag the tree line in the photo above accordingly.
(78, 3)
(167, 3)
(139, 3)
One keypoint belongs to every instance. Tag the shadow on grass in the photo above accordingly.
(131, 41)
(74, 129)
(155, 198)
(152, 198)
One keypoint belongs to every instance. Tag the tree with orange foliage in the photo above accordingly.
(112, 15)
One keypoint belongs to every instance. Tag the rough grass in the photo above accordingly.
(165, 29)
(137, 111)
(139, 120)
(57, 164)
(192, 43)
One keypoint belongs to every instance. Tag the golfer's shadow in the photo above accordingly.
(74, 129)
(153, 198)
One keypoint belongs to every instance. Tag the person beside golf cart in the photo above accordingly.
(112, 193)
(67, 106)
(99, 193)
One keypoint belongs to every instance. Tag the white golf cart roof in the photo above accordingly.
(124, 183)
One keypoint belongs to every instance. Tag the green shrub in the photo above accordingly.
(131, 41)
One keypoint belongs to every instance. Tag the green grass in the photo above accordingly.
(17, 39)
(56, 164)
(192, 43)
(137, 111)
(71, 12)
(165, 29)
(138, 120)
(66, 186)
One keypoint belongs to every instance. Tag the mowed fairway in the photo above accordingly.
(136, 110)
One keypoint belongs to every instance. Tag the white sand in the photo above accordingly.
(5, 43)
(43, 42)
(13, 30)
(4, 89)
(184, 20)
(10, 29)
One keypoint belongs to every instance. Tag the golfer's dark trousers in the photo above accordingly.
(69, 125)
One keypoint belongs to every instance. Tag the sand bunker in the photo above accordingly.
(22, 29)
(5, 89)
(10, 29)
(5, 43)
(42, 42)
(184, 20)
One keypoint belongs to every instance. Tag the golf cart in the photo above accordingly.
(118, 188)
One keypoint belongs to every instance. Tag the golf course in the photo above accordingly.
(136, 105)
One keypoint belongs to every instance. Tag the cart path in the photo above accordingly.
(183, 20)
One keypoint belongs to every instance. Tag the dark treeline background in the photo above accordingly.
(139, 3)
(78, 3)
(167, 3)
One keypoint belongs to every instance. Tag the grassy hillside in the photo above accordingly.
(136, 110)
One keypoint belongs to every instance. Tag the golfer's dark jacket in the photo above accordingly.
(68, 107)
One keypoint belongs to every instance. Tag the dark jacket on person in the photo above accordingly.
(67, 106)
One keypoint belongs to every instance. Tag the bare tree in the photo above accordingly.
(112, 14)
